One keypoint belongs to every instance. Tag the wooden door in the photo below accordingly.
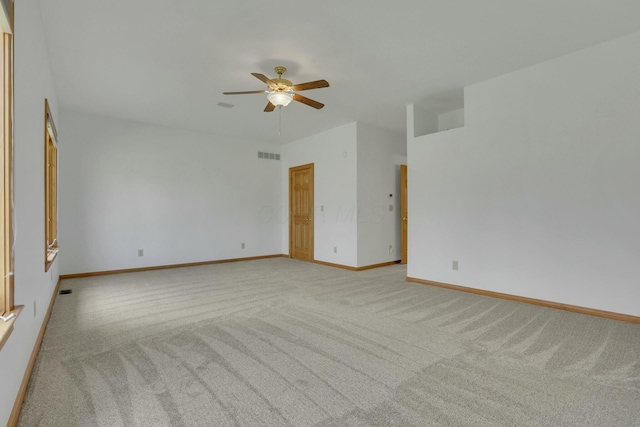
(404, 212)
(301, 212)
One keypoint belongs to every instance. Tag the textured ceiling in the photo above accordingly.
(168, 62)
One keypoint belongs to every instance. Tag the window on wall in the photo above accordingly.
(7, 309)
(51, 188)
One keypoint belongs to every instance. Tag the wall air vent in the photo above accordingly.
(269, 156)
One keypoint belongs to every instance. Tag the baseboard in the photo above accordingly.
(163, 267)
(549, 304)
(382, 264)
(17, 406)
(347, 267)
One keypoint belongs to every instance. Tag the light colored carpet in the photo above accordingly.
(279, 342)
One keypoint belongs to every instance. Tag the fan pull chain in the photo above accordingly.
(279, 119)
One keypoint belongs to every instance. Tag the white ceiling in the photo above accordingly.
(168, 61)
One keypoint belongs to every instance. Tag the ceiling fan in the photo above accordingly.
(280, 92)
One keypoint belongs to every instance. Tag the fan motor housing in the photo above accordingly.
(283, 84)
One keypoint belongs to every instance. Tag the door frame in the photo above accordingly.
(404, 220)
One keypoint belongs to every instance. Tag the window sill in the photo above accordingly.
(51, 255)
(7, 327)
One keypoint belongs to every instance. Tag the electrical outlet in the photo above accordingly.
(241, 245)
(454, 265)
(390, 249)
(390, 208)
(335, 249)
(140, 252)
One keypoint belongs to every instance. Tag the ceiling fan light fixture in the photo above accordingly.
(280, 99)
(280, 92)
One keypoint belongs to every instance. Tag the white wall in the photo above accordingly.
(420, 122)
(451, 120)
(180, 196)
(538, 195)
(380, 154)
(33, 287)
(334, 155)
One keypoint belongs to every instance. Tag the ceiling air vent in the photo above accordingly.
(225, 105)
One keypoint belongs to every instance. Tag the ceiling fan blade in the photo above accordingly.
(264, 79)
(309, 102)
(310, 85)
(269, 108)
(243, 93)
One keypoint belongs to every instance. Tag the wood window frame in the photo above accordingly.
(7, 307)
(50, 188)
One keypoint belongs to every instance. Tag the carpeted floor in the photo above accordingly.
(279, 342)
